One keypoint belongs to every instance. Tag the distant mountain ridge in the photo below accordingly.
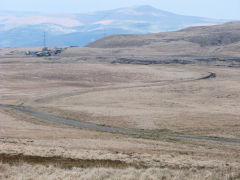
(26, 29)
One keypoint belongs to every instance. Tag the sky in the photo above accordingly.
(218, 9)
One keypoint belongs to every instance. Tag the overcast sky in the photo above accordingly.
(220, 9)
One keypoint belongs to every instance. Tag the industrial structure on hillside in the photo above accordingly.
(45, 51)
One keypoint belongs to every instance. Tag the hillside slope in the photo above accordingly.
(222, 40)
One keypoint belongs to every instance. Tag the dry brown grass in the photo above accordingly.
(40, 172)
(130, 96)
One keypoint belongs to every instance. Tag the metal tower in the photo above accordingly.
(44, 39)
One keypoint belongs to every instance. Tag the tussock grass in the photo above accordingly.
(40, 172)
(65, 163)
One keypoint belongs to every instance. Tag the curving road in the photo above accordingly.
(112, 129)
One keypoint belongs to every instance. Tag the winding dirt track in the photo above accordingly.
(112, 129)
